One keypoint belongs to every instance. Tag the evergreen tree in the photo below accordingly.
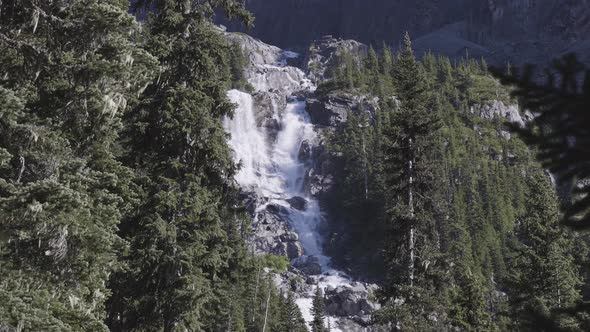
(561, 131)
(293, 316)
(412, 253)
(179, 242)
(318, 312)
(544, 274)
(68, 70)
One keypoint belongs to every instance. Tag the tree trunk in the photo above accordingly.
(412, 242)
(255, 296)
(266, 311)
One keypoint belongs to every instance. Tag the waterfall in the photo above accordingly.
(272, 170)
(247, 141)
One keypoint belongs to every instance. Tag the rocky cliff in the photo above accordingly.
(501, 30)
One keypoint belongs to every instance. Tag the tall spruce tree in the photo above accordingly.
(411, 255)
(318, 312)
(544, 275)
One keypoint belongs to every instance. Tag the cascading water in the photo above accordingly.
(274, 172)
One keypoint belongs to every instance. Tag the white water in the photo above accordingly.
(273, 170)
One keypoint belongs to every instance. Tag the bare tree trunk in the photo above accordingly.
(22, 169)
(255, 296)
(412, 241)
(365, 165)
(266, 311)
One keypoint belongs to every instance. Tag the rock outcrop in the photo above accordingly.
(351, 300)
(332, 110)
(272, 235)
(497, 108)
(268, 69)
(324, 54)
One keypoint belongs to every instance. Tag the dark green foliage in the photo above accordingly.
(177, 274)
(67, 74)
(412, 255)
(470, 201)
(318, 312)
(561, 129)
(117, 204)
(544, 275)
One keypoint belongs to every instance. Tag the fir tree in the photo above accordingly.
(544, 273)
(68, 72)
(179, 245)
(318, 312)
(411, 254)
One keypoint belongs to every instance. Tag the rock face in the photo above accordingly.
(298, 203)
(295, 23)
(332, 110)
(324, 54)
(516, 30)
(498, 109)
(328, 113)
(267, 66)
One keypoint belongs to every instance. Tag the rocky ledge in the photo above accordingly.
(332, 109)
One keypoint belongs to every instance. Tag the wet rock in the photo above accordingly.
(309, 265)
(305, 151)
(270, 107)
(311, 280)
(276, 209)
(350, 301)
(284, 80)
(294, 250)
(272, 234)
(290, 237)
(298, 203)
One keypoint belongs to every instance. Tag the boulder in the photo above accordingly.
(309, 265)
(272, 234)
(497, 108)
(294, 249)
(298, 203)
(350, 301)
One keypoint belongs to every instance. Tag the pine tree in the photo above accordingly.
(318, 312)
